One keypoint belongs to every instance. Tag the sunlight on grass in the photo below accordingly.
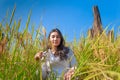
(98, 58)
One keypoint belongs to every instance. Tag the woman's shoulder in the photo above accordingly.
(68, 48)
(70, 51)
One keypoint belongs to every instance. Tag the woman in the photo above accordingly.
(59, 59)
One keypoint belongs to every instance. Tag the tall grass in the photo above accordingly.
(98, 58)
(17, 50)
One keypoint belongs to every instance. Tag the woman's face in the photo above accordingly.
(55, 39)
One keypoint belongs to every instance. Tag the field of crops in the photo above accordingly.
(98, 58)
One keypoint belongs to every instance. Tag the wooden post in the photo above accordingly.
(97, 26)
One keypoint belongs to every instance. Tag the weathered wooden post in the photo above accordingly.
(97, 26)
(96, 31)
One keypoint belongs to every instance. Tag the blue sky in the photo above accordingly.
(72, 17)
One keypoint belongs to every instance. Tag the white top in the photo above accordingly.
(56, 65)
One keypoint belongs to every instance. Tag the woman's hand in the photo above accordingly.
(69, 74)
(38, 56)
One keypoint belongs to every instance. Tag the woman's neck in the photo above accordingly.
(54, 49)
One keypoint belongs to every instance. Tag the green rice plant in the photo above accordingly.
(17, 61)
(98, 58)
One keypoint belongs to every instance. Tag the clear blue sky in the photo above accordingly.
(72, 17)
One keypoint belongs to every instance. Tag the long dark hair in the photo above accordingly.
(62, 51)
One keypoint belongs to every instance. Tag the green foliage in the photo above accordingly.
(98, 58)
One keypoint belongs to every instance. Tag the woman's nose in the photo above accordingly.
(55, 38)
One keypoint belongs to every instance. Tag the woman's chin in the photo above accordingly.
(55, 45)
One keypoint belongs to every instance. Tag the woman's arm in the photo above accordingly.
(72, 58)
(73, 63)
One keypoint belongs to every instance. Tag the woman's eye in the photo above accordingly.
(53, 36)
(58, 36)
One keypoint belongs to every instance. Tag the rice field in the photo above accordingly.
(98, 58)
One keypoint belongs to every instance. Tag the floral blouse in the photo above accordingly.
(53, 63)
